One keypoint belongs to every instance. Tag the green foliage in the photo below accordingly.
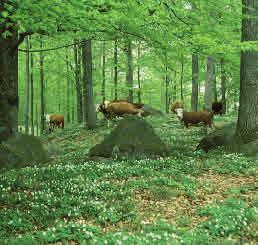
(233, 217)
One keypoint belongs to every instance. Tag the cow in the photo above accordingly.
(54, 120)
(195, 117)
(217, 108)
(176, 105)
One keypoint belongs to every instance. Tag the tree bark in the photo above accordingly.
(215, 84)
(115, 68)
(209, 95)
(246, 122)
(182, 79)
(174, 94)
(78, 83)
(27, 87)
(103, 72)
(90, 116)
(31, 91)
(223, 86)
(129, 73)
(42, 90)
(139, 73)
(195, 75)
(67, 88)
(8, 80)
(166, 83)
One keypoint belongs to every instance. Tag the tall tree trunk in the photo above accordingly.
(182, 79)
(8, 78)
(42, 90)
(31, 91)
(27, 87)
(209, 85)
(103, 72)
(139, 73)
(115, 68)
(195, 74)
(129, 73)
(77, 62)
(90, 116)
(248, 71)
(174, 94)
(166, 83)
(223, 85)
(36, 120)
(67, 88)
(215, 84)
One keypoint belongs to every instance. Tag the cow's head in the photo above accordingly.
(179, 112)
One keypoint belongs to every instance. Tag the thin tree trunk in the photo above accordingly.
(103, 72)
(78, 83)
(174, 94)
(129, 74)
(90, 116)
(68, 88)
(36, 120)
(195, 75)
(246, 122)
(115, 68)
(42, 90)
(139, 73)
(182, 79)
(27, 87)
(223, 85)
(209, 85)
(166, 83)
(215, 84)
(31, 91)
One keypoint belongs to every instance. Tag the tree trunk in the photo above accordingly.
(223, 86)
(103, 72)
(115, 68)
(36, 120)
(27, 87)
(195, 73)
(209, 95)
(174, 94)
(90, 116)
(78, 83)
(31, 91)
(67, 88)
(139, 73)
(166, 83)
(42, 90)
(215, 84)
(246, 122)
(182, 79)
(9, 81)
(129, 74)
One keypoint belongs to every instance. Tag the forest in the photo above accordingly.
(128, 122)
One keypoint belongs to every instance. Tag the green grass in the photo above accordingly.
(159, 201)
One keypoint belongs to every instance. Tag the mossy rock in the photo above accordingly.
(132, 138)
(22, 150)
(226, 139)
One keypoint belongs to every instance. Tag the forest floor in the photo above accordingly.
(187, 198)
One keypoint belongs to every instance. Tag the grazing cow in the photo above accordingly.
(137, 105)
(177, 105)
(118, 109)
(217, 107)
(195, 117)
(54, 120)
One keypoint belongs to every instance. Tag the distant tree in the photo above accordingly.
(139, 72)
(182, 78)
(223, 85)
(195, 73)
(248, 105)
(129, 72)
(90, 115)
(166, 83)
(42, 89)
(68, 88)
(27, 86)
(115, 67)
(31, 90)
(103, 86)
(209, 95)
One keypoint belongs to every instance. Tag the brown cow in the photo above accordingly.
(176, 105)
(54, 120)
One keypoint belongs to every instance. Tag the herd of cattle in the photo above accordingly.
(119, 108)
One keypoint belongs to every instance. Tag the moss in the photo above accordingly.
(133, 137)
(21, 150)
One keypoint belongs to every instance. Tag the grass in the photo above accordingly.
(189, 197)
